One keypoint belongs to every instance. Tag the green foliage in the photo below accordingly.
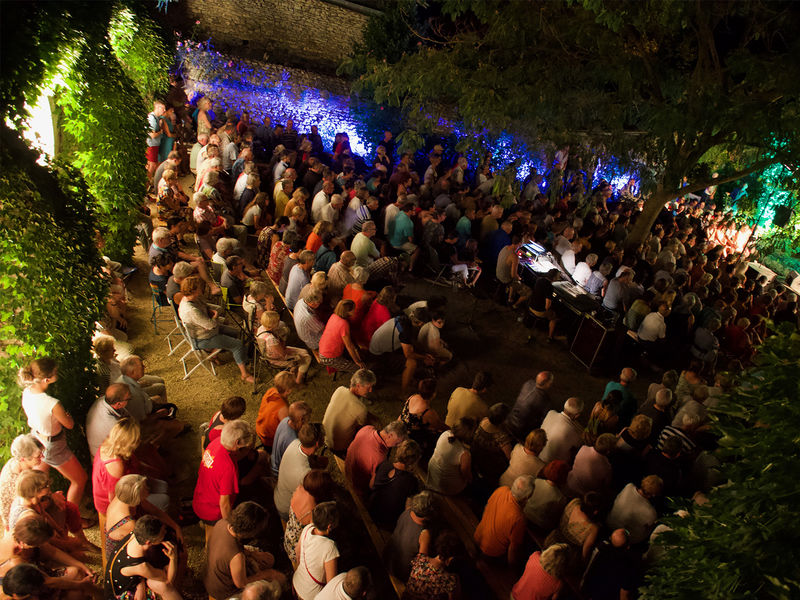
(141, 51)
(664, 82)
(743, 543)
(104, 117)
(51, 287)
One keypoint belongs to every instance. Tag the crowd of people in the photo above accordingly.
(567, 491)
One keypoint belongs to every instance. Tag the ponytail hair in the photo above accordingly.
(36, 371)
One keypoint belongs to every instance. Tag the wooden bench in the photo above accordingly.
(378, 536)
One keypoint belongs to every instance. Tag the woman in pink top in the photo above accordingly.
(317, 487)
(542, 577)
(336, 339)
(376, 316)
(114, 459)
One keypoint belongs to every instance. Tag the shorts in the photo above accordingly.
(549, 314)
(408, 248)
(56, 451)
(152, 154)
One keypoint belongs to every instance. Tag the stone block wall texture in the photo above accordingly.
(306, 33)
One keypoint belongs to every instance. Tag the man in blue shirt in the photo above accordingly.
(402, 234)
(286, 433)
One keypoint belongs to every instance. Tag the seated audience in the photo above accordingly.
(579, 524)
(393, 484)
(317, 554)
(411, 535)
(633, 509)
(592, 471)
(501, 531)
(286, 433)
(450, 467)
(232, 408)
(317, 487)
(525, 459)
(422, 421)
(130, 566)
(298, 459)
(274, 406)
(307, 322)
(467, 402)
(368, 450)
(231, 565)
(491, 448)
(26, 454)
(356, 584)
(543, 575)
(430, 578)
(547, 502)
(336, 339)
(346, 412)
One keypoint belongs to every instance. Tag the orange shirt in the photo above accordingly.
(313, 242)
(269, 416)
(502, 525)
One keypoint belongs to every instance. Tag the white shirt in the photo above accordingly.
(315, 551)
(334, 590)
(320, 201)
(388, 217)
(294, 466)
(568, 260)
(444, 468)
(241, 184)
(563, 436)
(249, 217)
(562, 244)
(582, 273)
(38, 408)
(633, 512)
(653, 327)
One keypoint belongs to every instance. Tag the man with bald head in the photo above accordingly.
(354, 584)
(341, 274)
(615, 571)
(564, 432)
(531, 406)
(628, 405)
(105, 413)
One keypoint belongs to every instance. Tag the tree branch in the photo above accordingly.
(697, 187)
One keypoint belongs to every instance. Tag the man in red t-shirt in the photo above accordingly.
(368, 450)
(218, 477)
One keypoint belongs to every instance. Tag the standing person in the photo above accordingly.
(169, 131)
(317, 554)
(47, 419)
(154, 135)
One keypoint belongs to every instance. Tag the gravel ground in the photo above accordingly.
(482, 334)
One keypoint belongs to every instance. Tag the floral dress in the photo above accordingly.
(428, 582)
(276, 259)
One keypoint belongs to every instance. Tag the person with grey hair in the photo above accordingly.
(226, 247)
(355, 584)
(299, 277)
(346, 412)
(26, 454)
(592, 471)
(369, 449)
(583, 270)
(564, 432)
(598, 281)
(307, 323)
(260, 590)
(501, 531)
(668, 380)
(218, 478)
(180, 271)
(628, 404)
(412, 535)
(660, 412)
(617, 293)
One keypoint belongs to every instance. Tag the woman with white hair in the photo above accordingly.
(26, 453)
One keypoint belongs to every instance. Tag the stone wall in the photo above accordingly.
(313, 34)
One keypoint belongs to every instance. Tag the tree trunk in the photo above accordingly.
(650, 212)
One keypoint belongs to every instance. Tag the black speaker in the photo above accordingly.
(782, 216)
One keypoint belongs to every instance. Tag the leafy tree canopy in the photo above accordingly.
(663, 81)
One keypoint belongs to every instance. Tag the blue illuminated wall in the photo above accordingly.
(283, 93)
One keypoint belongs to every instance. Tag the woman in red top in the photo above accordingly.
(542, 579)
(277, 256)
(361, 298)
(336, 339)
(314, 240)
(114, 459)
(376, 316)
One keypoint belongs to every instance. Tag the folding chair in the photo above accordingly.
(159, 303)
(198, 353)
(177, 330)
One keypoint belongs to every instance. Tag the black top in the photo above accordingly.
(542, 290)
(388, 500)
(611, 570)
(117, 583)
